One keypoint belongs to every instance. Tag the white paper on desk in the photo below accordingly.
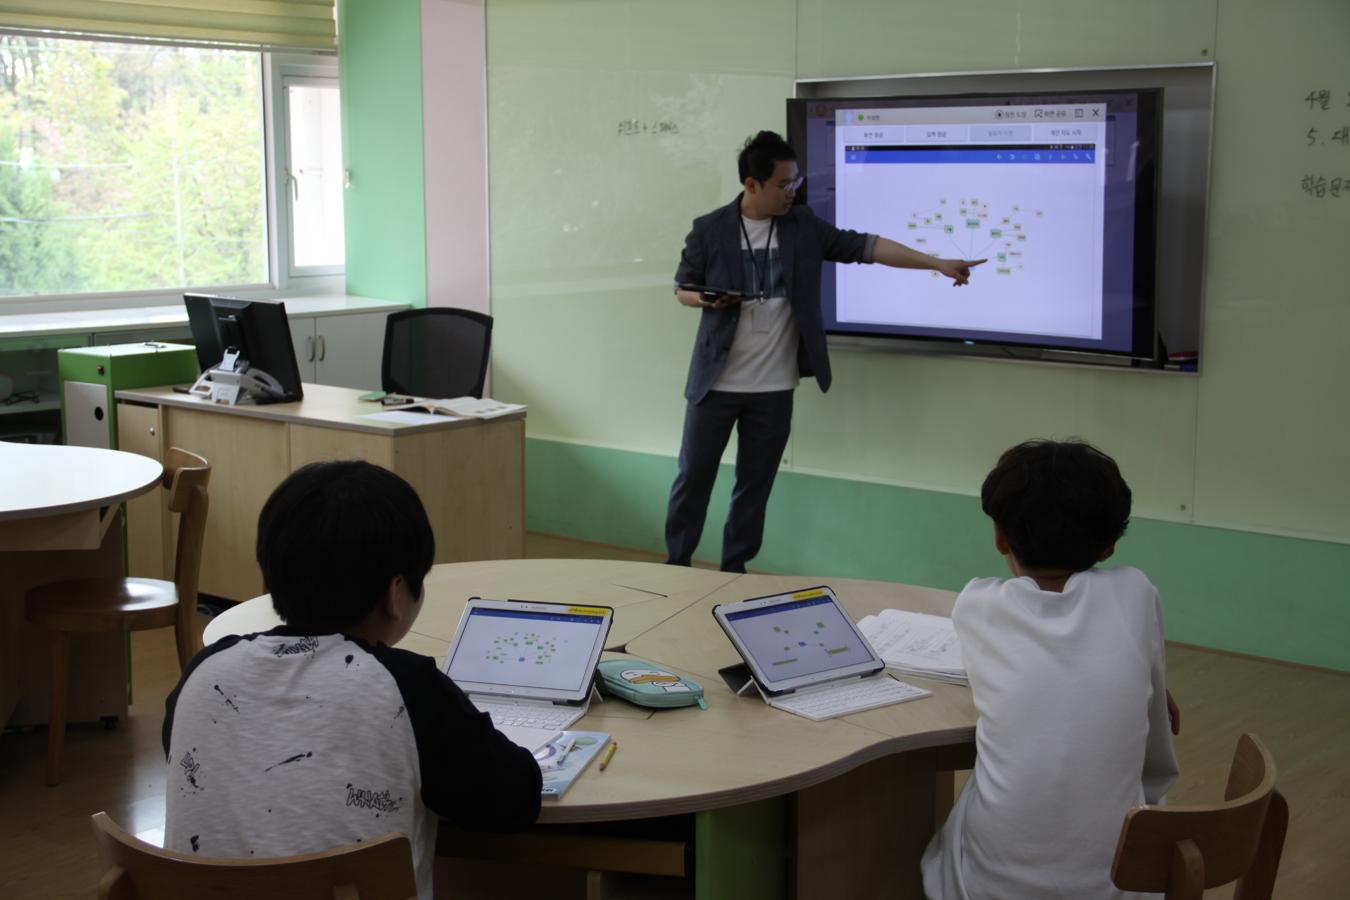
(401, 417)
(529, 738)
(916, 643)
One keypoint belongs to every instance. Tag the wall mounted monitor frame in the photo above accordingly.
(1085, 189)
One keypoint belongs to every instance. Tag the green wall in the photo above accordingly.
(612, 123)
(1251, 593)
(380, 48)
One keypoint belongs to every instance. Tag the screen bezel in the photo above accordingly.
(775, 687)
(1144, 345)
(534, 693)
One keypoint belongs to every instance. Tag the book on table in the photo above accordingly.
(461, 407)
(565, 757)
(916, 644)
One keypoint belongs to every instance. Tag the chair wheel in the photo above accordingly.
(109, 722)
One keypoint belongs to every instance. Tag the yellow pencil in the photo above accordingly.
(609, 754)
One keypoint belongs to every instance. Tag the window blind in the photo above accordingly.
(268, 24)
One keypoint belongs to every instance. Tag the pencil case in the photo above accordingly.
(646, 684)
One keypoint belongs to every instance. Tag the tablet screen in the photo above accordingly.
(527, 648)
(807, 634)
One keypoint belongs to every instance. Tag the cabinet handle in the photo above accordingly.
(152, 431)
(323, 348)
(309, 348)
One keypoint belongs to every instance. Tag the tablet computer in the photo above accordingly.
(528, 650)
(708, 291)
(797, 639)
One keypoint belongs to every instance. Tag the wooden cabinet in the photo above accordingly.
(341, 350)
(470, 475)
(150, 543)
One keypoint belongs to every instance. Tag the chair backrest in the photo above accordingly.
(185, 477)
(1182, 850)
(437, 352)
(381, 869)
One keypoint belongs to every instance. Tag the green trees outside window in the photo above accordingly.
(127, 167)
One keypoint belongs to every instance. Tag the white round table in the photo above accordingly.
(43, 480)
(58, 519)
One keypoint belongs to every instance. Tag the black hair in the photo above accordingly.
(332, 537)
(1059, 504)
(760, 154)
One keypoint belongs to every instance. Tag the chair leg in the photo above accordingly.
(186, 640)
(59, 649)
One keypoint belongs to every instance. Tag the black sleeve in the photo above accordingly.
(692, 266)
(171, 703)
(840, 244)
(471, 773)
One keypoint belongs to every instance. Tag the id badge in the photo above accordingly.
(759, 319)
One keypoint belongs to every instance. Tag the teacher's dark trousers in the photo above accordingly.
(763, 422)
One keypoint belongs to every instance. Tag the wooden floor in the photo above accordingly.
(47, 849)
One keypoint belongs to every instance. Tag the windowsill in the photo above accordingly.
(317, 297)
(320, 296)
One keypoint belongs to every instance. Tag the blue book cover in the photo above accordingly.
(560, 765)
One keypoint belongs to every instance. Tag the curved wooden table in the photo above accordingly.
(857, 795)
(58, 506)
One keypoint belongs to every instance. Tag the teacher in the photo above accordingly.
(753, 347)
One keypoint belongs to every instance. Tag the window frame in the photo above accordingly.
(286, 70)
(274, 66)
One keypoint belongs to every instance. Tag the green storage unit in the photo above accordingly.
(90, 375)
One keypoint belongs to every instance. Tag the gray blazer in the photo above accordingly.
(712, 256)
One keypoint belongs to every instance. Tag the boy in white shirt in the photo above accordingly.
(1066, 670)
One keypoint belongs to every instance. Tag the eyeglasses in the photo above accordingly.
(787, 186)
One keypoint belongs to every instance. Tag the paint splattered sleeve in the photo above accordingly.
(285, 742)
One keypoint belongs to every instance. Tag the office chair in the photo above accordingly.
(381, 869)
(126, 604)
(439, 352)
(1182, 850)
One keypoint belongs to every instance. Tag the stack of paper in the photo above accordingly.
(916, 644)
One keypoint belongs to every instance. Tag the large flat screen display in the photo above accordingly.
(1057, 191)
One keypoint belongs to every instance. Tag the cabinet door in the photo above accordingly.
(306, 347)
(350, 349)
(138, 431)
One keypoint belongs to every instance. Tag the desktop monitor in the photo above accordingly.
(257, 331)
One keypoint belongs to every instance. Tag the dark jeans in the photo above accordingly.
(763, 422)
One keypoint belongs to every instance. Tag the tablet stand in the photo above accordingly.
(738, 678)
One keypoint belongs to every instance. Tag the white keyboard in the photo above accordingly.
(854, 695)
(529, 714)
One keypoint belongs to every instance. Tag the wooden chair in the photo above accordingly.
(126, 604)
(1182, 850)
(381, 869)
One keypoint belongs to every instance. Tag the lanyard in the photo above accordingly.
(761, 285)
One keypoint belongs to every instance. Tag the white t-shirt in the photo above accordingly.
(286, 742)
(763, 354)
(1072, 732)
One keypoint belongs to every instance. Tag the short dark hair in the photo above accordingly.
(332, 537)
(1059, 504)
(761, 153)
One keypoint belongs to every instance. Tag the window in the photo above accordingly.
(312, 175)
(138, 167)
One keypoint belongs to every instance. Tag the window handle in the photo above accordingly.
(295, 186)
